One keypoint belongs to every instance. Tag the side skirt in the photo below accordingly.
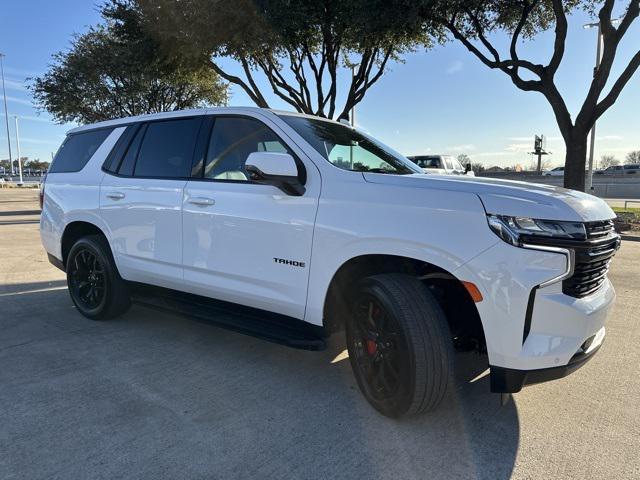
(268, 326)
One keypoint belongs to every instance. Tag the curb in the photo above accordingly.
(630, 238)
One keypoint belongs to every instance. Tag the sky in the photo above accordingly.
(441, 101)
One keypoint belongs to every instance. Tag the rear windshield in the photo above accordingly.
(428, 161)
(348, 148)
(77, 149)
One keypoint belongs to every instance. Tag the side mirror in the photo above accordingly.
(467, 168)
(277, 169)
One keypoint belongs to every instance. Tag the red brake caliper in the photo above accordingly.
(371, 347)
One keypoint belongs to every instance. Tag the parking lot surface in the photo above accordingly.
(153, 395)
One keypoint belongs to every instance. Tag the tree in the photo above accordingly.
(299, 47)
(471, 22)
(477, 168)
(608, 161)
(633, 157)
(36, 164)
(544, 165)
(463, 158)
(116, 70)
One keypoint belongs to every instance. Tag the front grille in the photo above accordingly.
(592, 259)
(599, 229)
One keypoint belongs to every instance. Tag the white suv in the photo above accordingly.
(306, 227)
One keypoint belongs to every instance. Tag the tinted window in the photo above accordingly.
(129, 159)
(232, 140)
(167, 149)
(77, 149)
(113, 160)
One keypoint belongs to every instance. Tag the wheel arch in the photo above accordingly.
(452, 295)
(75, 230)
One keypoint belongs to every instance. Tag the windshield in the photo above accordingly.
(348, 148)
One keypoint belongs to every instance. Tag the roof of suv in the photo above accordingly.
(182, 113)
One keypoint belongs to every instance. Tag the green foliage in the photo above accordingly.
(36, 164)
(116, 69)
(299, 46)
(472, 17)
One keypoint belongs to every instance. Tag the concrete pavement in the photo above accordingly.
(153, 395)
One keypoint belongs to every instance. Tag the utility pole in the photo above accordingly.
(18, 147)
(6, 114)
(592, 141)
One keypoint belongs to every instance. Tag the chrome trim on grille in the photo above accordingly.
(568, 253)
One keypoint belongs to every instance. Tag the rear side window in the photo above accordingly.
(77, 149)
(167, 149)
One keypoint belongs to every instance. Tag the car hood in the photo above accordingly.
(509, 197)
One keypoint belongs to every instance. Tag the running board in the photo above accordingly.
(268, 326)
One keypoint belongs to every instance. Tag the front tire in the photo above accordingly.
(399, 345)
(95, 286)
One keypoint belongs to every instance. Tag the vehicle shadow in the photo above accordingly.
(155, 395)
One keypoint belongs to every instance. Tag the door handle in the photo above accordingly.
(202, 201)
(115, 195)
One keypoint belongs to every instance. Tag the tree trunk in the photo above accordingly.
(575, 160)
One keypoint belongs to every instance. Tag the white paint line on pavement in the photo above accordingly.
(39, 290)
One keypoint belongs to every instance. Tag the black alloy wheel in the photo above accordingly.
(380, 353)
(96, 288)
(88, 285)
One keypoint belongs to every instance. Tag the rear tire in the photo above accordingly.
(399, 344)
(95, 286)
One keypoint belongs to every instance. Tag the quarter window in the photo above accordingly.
(233, 139)
(77, 149)
(129, 159)
(167, 149)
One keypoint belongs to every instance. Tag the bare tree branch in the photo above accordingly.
(560, 38)
(255, 96)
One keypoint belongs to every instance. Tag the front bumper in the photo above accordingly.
(508, 380)
(530, 328)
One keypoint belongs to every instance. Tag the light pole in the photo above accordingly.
(6, 115)
(18, 147)
(592, 141)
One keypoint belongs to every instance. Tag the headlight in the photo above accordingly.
(516, 230)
